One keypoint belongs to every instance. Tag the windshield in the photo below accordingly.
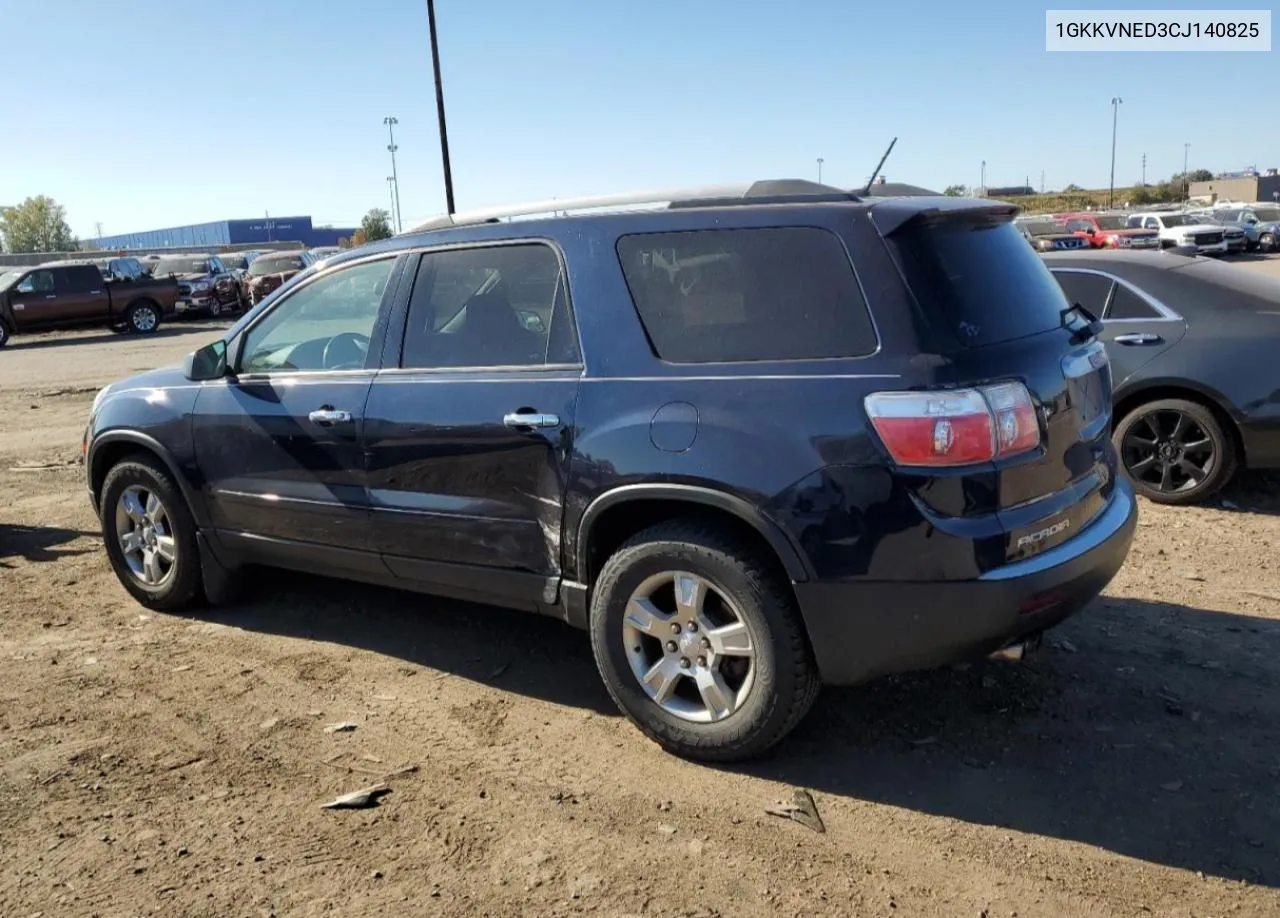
(1041, 228)
(1170, 220)
(990, 285)
(235, 262)
(181, 266)
(1268, 214)
(9, 278)
(275, 264)
(1112, 222)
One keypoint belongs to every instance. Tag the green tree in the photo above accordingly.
(1072, 189)
(376, 225)
(38, 224)
(954, 191)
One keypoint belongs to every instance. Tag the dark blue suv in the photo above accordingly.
(753, 440)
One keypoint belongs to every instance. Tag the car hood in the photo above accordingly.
(1129, 231)
(161, 378)
(193, 277)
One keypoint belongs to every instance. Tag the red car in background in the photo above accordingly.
(1109, 231)
(270, 270)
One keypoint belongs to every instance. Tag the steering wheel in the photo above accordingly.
(346, 351)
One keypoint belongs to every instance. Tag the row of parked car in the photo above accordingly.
(1211, 231)
(135, 294)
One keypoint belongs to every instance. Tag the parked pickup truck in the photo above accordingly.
(1109, 231)
(58, 295)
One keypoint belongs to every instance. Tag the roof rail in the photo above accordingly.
(773, 191)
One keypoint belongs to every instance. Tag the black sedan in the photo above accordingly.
(1195, 354)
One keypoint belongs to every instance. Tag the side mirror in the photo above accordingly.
(1090, 231)
(209, 362)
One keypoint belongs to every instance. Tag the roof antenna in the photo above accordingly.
(879, 166)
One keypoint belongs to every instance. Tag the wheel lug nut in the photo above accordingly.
(706, 643)
(702, 661)
(675, 627)
(684, 662)
(693, 626)
(671, 646)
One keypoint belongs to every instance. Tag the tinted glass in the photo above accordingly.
(326, 325)
(498, 306)
(1267, 214)
(79, 279)
(235, 262)
(275, 264)
(713, 296)
(1125, 304)
(1089, 290)
(1112, 222)
(37, 282)
(181, 266)
(989, 285)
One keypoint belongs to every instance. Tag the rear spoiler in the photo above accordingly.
(894, 214)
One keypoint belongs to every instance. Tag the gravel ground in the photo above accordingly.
(161, 765)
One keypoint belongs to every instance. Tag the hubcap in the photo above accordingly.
(144, 319)
(146, 540)
(689, 648)
(1168, 451)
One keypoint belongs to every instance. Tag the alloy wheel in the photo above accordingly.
(145, 535)
(144, 318)
(1168, 451)
(690, 649)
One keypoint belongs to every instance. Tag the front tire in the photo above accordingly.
(699, 643)
(5, 334)
(142, 318)
(1267, 242)
(1175, 451)
(150, 535)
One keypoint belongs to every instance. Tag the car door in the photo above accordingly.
(1136, 327)
(36, 301)
(469, 424)
(82, 294)
(277, 441)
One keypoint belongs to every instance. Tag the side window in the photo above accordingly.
(1089, 290)
(713, 296)
(487, 307)
(1078, 226)
(37, 282)
(325, 325)
(1126, 304)
(78, 279)
(1151, 223)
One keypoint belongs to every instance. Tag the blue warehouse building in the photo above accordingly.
(229, 232)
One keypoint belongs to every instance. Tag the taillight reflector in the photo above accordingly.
(955, 426)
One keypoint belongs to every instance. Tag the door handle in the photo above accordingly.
(51, 296)
(1138, 339)
(520, 419)
(327, 417)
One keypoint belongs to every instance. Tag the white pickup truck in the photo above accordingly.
(1180, 229)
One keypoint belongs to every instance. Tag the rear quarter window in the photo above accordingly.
(980, 278)
(714, 296)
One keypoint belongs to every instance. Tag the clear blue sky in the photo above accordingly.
(151, 113)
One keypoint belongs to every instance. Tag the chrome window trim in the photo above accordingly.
(1166, 314)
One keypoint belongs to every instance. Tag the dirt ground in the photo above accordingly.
(160, 765)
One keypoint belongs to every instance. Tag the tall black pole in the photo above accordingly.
(444, 134)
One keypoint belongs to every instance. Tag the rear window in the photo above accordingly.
(988, 283)
(264, 265)
(713, 296)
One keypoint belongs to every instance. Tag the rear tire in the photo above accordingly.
(1175, 451)
(142, 318)
(735, 684)
(144, 516)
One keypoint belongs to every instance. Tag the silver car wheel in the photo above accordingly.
(145, 536)
(690, 649)
(144, 318)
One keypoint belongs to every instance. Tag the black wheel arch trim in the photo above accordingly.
(1153, 386)
(789, 554)
(152, 445)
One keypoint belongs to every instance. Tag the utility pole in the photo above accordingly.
(391, 189)
(1116, 102)
(98, 228)
(982, 189)
(819, 170)
(1042, 181)
(267, 218)
(391, 121)
(444, 134)
(1186, 179)
(1144, 170)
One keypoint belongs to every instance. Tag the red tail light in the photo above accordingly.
(955, 426)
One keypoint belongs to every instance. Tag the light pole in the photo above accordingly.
(1116, 102)
(819, 170)
(390, 121)
(444, 134)
(1186, 155)
(982, 185)
(391, 189)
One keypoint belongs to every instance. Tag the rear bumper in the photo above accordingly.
(862, 629)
